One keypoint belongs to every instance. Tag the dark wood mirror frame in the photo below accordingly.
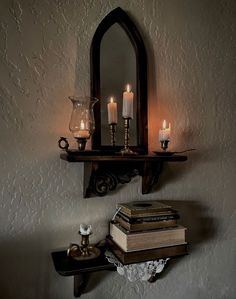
(120, 17)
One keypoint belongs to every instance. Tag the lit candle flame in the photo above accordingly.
(128, 88)
(111, 100)
(164, 124)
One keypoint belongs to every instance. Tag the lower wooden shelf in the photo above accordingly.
(67, 266)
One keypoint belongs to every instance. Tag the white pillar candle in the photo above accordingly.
(112, 111)
(128, 98)
(164, 133)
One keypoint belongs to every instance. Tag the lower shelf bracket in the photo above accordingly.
(80, 282)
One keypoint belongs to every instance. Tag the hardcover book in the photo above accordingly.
(173, 215)
(134, 241)
(145, 225)
(143, 208)
(145, 255)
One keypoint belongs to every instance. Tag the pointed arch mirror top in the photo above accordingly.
(120, 17)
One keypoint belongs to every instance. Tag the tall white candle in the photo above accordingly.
(112, 111)
(164, 133)
(128, 98)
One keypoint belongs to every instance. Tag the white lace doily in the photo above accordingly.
(141, 271)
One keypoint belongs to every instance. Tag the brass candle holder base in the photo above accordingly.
(84, 252)
(81, 143)
(164, 144)
(126, 150)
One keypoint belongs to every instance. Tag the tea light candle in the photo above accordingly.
(164, 133)
(112, 111)
(128, 97)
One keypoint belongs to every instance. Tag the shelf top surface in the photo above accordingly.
(91, 157)
(67, 266)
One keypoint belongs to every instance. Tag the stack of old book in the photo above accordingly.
(146, 230)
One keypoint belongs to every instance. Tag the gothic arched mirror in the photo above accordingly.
(118, 57)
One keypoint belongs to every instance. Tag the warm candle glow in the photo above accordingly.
(111, 100)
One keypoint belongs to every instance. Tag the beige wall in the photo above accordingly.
(44, 57)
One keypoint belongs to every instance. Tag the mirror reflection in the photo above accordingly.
(117, 69)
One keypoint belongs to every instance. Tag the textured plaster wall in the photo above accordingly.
(44, 57)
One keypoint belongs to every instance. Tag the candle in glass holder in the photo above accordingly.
(112, 111)
(164, 133)
(82, 132)
(128, 98)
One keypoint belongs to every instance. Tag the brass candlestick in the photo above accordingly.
(81, 143)
(86, 250)
(164, 144)
(64, 144)
(112, 133)
(85, 245)
(126, 150)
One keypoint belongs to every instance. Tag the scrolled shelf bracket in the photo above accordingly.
(102, 178)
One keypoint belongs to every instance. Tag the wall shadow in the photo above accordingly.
(27, 269)
(200, 228)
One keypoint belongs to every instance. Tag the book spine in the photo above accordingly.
(142, 226)
(136, 212)
(149, 219)
(146, 255)
(148, 239)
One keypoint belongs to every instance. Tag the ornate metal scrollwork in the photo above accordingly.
(103, 181)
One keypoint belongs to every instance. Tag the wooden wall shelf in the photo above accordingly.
(102, 172)
(67, 266)
(81, 270)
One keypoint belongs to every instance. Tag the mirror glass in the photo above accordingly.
(117, 69)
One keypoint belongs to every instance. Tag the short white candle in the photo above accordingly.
(82, 125)
(112, 111)
(164, 133)
(82, 132)
(85, 229)
(128, 98)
